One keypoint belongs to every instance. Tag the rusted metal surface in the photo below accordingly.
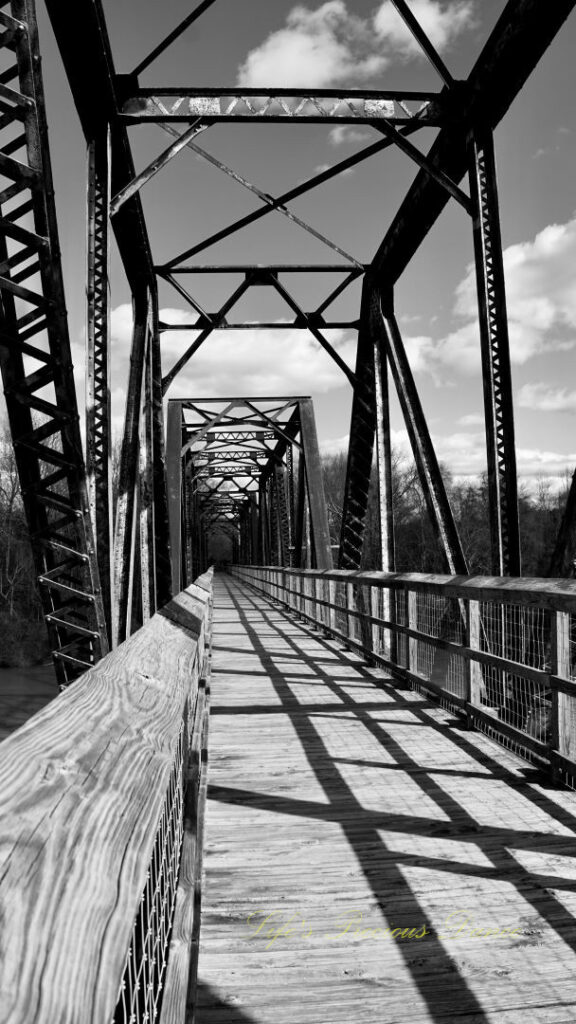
(36, 364)
(495, 352)
(98, 363)
(288, 519)
(273, 105)
(240, 479)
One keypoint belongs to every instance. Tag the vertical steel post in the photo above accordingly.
(361, 445)
(98, 433)
(147, 528)
(125, 543)
(495, 349)
(290, 500)
(319, 529)
(384, 460)
(299, 556)
(385, 494)
(174, 475)
(161, 521)
(254, 531)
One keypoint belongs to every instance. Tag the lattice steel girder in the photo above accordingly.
(322, 106)
(174, 474)
(86, 54)
(495, 351)
(384, 462)
(98, 431)
(40, 393)
(520, 38)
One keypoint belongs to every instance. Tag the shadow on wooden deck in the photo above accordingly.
(450, 833)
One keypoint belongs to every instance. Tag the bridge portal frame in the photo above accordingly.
(251, 468)
(115, 560)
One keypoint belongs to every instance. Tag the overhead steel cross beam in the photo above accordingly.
(320, 106)
(208, 323)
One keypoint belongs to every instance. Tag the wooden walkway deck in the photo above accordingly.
(367, 858)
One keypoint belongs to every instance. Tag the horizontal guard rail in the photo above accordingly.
(499, 650)
(96, 816)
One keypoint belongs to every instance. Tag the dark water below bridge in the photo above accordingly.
(23, 691)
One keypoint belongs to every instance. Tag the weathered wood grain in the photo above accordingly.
(331, 792)
(557, 594)
(82, 786)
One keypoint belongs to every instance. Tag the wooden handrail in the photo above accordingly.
(557, 594)
(82, 790)
(489, 658)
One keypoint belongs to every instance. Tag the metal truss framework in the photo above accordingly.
(136, 568)
(36, 360)
(231, 469)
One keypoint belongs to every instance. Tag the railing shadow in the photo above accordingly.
(397, 898)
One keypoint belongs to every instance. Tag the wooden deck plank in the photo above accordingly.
(340, 808)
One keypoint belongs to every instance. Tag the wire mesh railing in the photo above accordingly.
(106, 886)
(501, 652)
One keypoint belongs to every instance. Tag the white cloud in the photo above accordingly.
(246, 362)
(320, 168)
(471, 419)
(442, 23)
(546, 399)
(335, 445)
(346, 134)
(541, 301)
(315, 48)
(464, 455)
(327, 45)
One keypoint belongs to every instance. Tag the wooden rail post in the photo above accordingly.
(563, 717)
(349, 607)
(474, 681)
(332, 600)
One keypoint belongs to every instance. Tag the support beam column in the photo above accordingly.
(384, 459)
(174, 474)
(319, 528)
(98, 433)
(495, 349)
(126, 548)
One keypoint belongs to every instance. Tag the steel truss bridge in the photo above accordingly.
(105, 789)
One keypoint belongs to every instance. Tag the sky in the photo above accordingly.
(356, 44)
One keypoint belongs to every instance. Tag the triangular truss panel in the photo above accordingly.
(102, 569)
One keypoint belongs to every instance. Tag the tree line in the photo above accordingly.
(416, 546)
(23, 637)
